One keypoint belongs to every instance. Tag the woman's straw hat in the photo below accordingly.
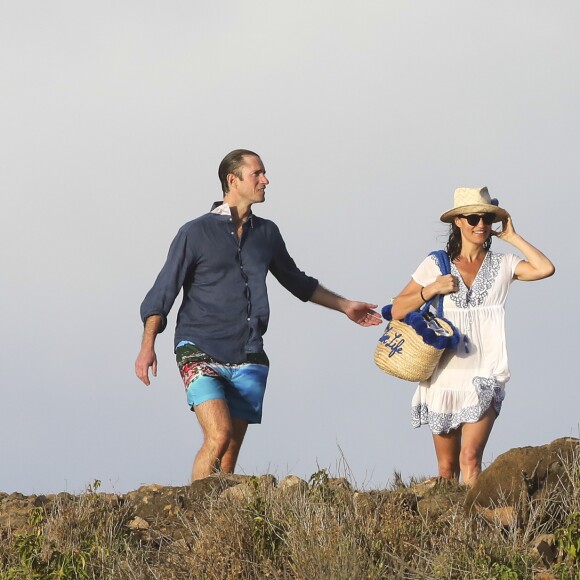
(473, 200)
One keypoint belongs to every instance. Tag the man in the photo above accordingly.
(221, 260)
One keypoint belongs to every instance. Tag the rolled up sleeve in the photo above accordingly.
(284, 269)
(169, 282)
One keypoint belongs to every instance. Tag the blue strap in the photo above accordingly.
(445, 267)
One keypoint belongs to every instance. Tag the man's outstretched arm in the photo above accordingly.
(360, 312)
(147, 357)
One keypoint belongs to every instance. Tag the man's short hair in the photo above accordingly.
(232, 163)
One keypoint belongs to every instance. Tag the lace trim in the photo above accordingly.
(489, 391)
(474, 296)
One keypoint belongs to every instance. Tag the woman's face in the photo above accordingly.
(475, 227)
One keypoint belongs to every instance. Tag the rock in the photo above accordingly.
(339, 483)
(434, 507)
(15, 510)
(365, 504)
(504, 516)
(248, 488)
(150, 488)
(504, 490)
(433, 485)
(435, 496)
(40, 501)
(291, 486)
(545, 547)
(266, 482)
(240, 492)
(291, 481)
(425, 486)
(156, 502)
(138, 524)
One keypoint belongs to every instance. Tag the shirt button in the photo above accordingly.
(248, 319)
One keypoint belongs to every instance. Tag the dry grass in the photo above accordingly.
(321, 530)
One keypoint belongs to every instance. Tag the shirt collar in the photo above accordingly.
(221, 208)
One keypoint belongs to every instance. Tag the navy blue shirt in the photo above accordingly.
(225, 308)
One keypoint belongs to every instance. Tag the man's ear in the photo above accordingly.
(231, 178)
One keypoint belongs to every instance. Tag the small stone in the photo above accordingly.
(239, 492)
(291, 481)
(545, 547)
(138, 524)
(505, 516)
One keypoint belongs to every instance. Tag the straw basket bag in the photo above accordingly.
(410, 349)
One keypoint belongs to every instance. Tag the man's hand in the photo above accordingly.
(360, 312)
(147, 358)
(363, 313)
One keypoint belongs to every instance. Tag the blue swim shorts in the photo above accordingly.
(242, 386)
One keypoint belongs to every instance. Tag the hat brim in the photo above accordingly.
(500, 213)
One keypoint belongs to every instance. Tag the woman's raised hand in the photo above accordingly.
(507, 229)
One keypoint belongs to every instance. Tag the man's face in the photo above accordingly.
(252, 187)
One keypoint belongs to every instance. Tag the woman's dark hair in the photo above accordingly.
(232, 163)
(454, 242)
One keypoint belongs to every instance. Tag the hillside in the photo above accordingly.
(522, 520)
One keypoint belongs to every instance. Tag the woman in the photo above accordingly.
(463, 397)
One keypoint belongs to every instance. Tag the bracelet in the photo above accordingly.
(421, 293)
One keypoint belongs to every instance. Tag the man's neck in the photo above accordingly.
(240, 212)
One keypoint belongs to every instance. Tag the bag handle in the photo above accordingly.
(445, 267)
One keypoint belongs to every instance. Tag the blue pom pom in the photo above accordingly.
(386, 312)
(494, 201)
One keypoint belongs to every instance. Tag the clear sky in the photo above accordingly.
(113, 119)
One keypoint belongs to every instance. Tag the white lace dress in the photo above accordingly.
(471, 378)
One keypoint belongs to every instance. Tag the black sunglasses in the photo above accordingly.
(473, 218)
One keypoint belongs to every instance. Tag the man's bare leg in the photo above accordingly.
(216, 425)
(239, 427)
